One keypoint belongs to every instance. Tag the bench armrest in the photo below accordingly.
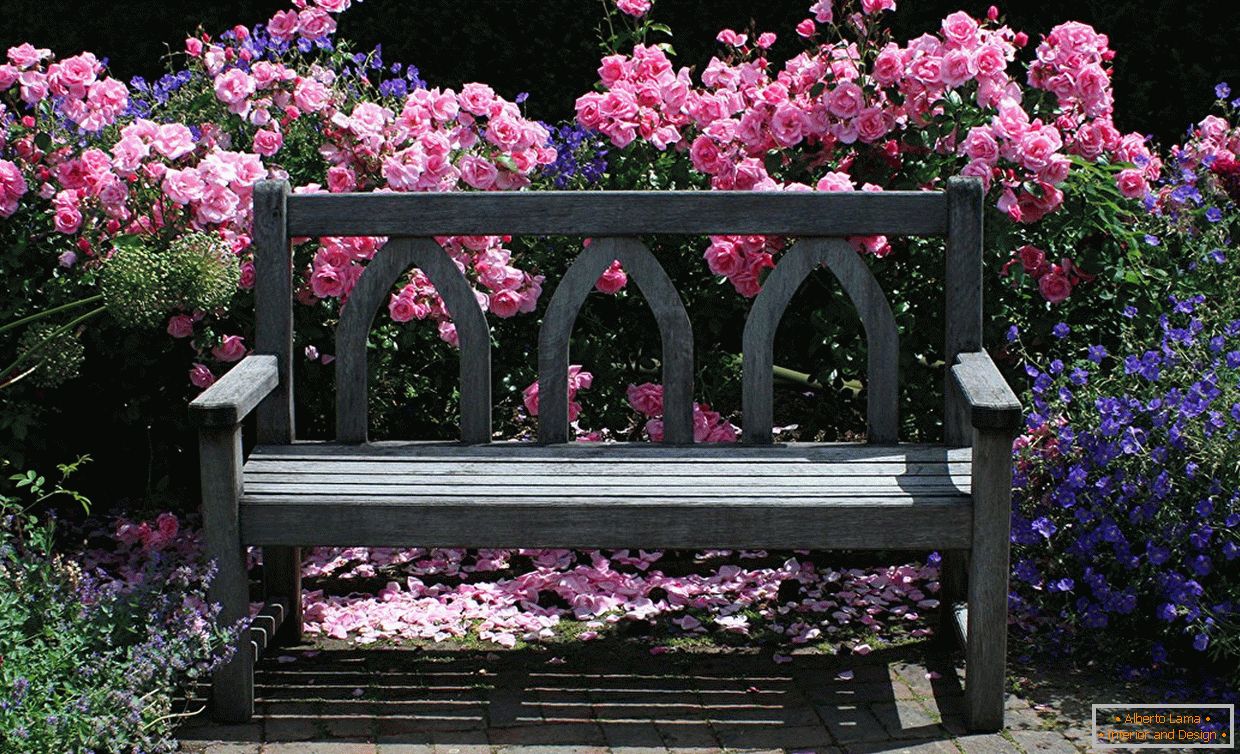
(992, 404)
(235, 395)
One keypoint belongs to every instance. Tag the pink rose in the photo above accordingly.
(786, 125)
(1132, 184)
(267, 142)
(960, 30)
(822, 11)
(25, 55)
(1032, 259)
(310, 95)
(233, 88)
(167, 526)
(334, 6)
(1054, 285)
(888, 66)
(635, 8)
(724, 259)
(68, 219)
(8, 76)
(505, 303)
(806, 28)
(180, 326)
(704, 153)
(846, 100)
(173, 140)
(478, 172)
(401, 308)
(646, 398)
(326, 282)
(283, 25)
(980, 145)
(314, 23)
(870, 7)
(612, 280)
(72, 76)
(871, 125)
(836, 181)
(231, 348)
(477, 98)
(183, 186)
(246, 280)
(218, 205)
(200, 376)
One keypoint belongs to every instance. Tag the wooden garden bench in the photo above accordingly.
(880, 495)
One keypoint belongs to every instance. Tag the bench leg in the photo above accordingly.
(232, 685)
(952, 590)
(986, 644)
(282, 583)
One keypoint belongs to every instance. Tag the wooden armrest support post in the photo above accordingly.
(992, 404)
(235, 395)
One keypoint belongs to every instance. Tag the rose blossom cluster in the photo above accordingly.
(708, 426)
(75, 86)
(751, 125)
(509, 290)
(1055, 281)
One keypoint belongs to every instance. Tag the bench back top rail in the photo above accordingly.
(820, 220)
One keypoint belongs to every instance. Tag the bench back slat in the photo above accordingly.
(619, 213)
(882, 339)
(358, 315)
(675, 330)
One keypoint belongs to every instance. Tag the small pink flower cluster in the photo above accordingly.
(708, 426)
(12, 187)
(645, 98)
(82, 96)
(144, 535)
(1055, 281)
(510, 290)
(577, 380)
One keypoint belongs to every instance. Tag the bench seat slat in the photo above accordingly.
(876, 523)
(508, 495)
(619, 452)
(436, 467)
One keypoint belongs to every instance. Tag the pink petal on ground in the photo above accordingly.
(844, 675)
(862, 649)
(934, 675)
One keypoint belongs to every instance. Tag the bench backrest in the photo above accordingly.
(820, 219)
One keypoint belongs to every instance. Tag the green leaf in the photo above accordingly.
(43, 140)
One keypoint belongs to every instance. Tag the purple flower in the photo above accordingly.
(1061, 330)
(1200, 642)
(1222, 90)
(1153, 240)
(1012, 333)
(1214, 214)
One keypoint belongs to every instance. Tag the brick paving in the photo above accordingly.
(600, 698)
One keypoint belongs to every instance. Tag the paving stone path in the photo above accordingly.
(614, 698)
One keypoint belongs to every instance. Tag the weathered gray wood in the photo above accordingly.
(882, 338)
(986, 645)
(674, 329)
(953, 588)
(282, 588)
(963, 300)
(723, 453)
(990, 401)
(273, 306)
(235, 394)
(232, 685)
(618, 213)
(371, 290)
(636, 472)
(552, 489)
(266, 625)
(603, 522)
(958, 618)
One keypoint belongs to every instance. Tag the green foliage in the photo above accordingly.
(91, 664)
(142, 283)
